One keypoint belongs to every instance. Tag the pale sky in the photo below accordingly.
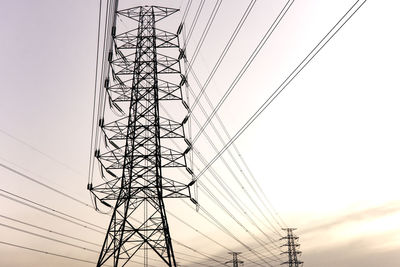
(325, 152)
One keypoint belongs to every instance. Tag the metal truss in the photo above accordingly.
(235, 261)
(292, 251)
(140, 142)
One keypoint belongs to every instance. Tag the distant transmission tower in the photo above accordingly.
(292, 251)
(140, 155)
(235, 262)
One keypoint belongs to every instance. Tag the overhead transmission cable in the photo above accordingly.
(195, 19)
(50, 211)
(40, 152)
(224, 52)
(95, 90)
(218, 202)
(205, 32)
(47, 253)
(231, 194)
(198, 252)
(217, 64)
(219, 226)
(202, 159)
(245, 67)
(261, 257)
(187, 8)
(48, 230)
(274, 214)
(63, 194)
(249, 214)
(343, 20)
(110, 17)
(42, 184)
(48, 238)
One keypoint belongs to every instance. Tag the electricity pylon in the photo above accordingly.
(235, 262)
(292, 251)
(141, 153)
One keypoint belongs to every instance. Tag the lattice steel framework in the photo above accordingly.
(235, 261)
(292, 251)
(141, 142)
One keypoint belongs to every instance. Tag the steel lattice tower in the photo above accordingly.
(235, 262)
(141, 142)
(292, 251)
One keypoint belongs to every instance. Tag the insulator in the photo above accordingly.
(119, 80)
(114, 144)
(189, 170)
(185, 119)
(110, 55)
(113, 31)
(105, 203)
(101, 122)
(188, 142)
(111, 173)
(90, 186)
(115, 105)
(181, 54)
(97, 153)
(192, 183)
(187, 150)
(179, 29)
(185, 105)
(106, 82)
(183, 80)
(194, 201)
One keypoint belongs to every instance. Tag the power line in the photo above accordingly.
(215, 200)
(222, 56)
(43, 184)
(58, 191)
(48, 238)
(233, 236)
(245, 67)
(287, 81)
(49, 211)
(46, 186)
(39, 151)
(231, 155)
(205, 31)
(95, 90)
(216, 66)
(47, 253)
(186, 11)
(48, 230)
(61, 193)
(197, 231)
(195, 19)
(105, 66)
(270, 209)
(201, 258)
(236, 179)
(220, 226)
(31, 206)
(226, 188)
(194, 250)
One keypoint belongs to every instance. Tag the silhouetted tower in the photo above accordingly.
(235, 262)
(292, 251)
(140, 156)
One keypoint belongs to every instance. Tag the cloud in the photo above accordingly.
(361, 215)
(359, 252)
